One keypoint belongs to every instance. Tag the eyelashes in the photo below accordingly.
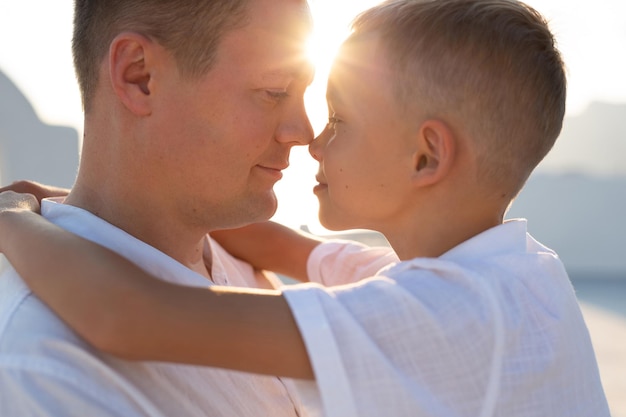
(277, 95)
(332, 122)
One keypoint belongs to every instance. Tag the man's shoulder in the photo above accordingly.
(12, 291)
(36, 346)
(28, 328)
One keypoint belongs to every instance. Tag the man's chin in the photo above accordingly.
(262, 208)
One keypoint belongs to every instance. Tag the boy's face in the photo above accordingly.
(366, 151)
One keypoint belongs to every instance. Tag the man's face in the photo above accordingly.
(226, 138)
(365, 152)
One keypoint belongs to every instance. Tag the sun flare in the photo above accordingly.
(322, 48)
(332, 20)
(331, 28)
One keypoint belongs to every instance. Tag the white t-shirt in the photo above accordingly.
(491, 328)
(47, 370)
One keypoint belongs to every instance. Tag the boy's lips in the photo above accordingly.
(321, 184)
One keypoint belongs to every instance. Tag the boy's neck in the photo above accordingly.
(433, 234)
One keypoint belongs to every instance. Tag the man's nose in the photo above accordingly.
(296, 127)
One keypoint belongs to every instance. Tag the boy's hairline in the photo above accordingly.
(439, 107)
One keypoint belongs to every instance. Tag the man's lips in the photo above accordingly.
(273, 170)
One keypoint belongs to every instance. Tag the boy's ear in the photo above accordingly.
(130, 60)
(434, 153)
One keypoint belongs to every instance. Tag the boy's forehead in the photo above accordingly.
(359, 65)
(361, 84)
(361, 54)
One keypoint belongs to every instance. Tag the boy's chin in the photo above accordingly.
(334, 222)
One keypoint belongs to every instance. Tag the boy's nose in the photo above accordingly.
(316, 146)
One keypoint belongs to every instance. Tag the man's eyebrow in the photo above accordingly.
(300, 72)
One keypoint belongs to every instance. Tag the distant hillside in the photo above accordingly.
(576, 200)
(30, 148)
(593, 142)
(581, 217)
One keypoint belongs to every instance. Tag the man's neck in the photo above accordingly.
(144, 217)
(117, 183)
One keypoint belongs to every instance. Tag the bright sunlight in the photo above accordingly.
(332, 20)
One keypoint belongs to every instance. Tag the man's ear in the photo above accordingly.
(435, 152)
(130, 71)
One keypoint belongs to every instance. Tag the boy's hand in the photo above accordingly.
(12, 204)
(12, 201)
(39, 191)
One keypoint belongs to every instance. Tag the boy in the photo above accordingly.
(439, 111)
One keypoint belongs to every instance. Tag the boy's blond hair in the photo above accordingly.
(489, 68)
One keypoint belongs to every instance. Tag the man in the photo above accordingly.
(191, 108)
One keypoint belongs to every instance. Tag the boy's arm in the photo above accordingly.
(267, 245)
(270, 246)
(127, 312)
(36, 189)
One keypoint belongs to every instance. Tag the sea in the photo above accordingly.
(602, 299)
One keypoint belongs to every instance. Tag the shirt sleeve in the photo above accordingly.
(377, 347)
(358, 343)
(338, 262)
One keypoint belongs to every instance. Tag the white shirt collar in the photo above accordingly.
(510, 237)
(506, 238)
(93, 228)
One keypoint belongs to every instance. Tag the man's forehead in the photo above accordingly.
(268, 50)
(291, 18)
(279, 30)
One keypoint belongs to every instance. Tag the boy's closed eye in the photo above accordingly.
(332, 121)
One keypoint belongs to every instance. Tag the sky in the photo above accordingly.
(35, 54)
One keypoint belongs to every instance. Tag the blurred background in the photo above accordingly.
(575, 201)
